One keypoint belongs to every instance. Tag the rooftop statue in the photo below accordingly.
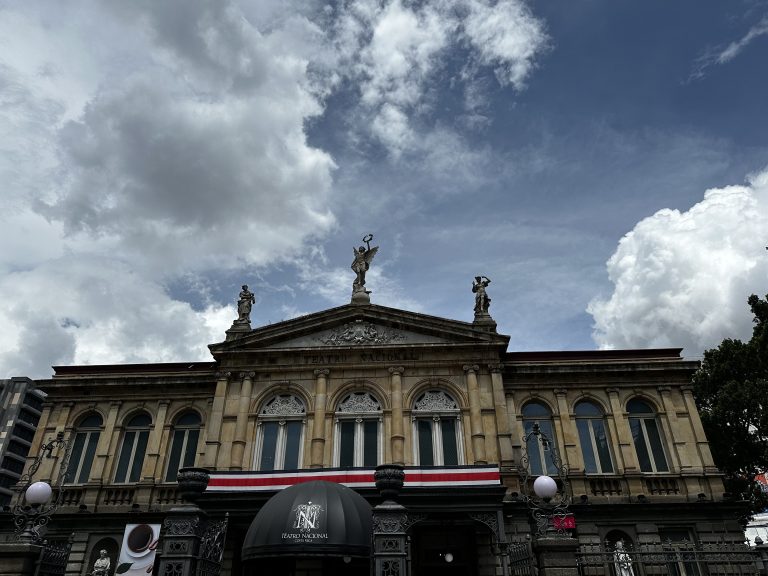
(244, 305)
(482, 301)
(363, 257)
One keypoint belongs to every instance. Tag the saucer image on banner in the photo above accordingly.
(137, 553)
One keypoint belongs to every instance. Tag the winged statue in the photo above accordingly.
(363, 257)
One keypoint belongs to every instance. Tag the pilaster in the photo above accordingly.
(213, 434)
(241, 425)
(398, 434)
(475, 414)
(318, 427)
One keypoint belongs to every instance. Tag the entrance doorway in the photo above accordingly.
(444, 549)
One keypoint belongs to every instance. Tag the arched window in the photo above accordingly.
(358, 424)
(647, 436)
(87, 435)
(280, 433)
(133, 449)
(437, 429)
(539, 455)
(593, 436)
(186, 434)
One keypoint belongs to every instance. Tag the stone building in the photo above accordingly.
(331, 395)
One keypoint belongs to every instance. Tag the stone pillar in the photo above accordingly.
(557, 556)
(705, 454)
(389, 524)
(18, 558)
(184, 526)
(398, 435)
(241, 425)
(504, 432)
(680, 459)
(149, 470)
(623, 434)
(571, 450)
(99, 470)
(475, 415)
(318, 428)
(213, 432)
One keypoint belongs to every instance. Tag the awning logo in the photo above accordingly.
(307, 517)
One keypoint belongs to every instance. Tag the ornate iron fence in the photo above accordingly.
(521, 560)
(53, 558)
(212, 548)
(668, 558)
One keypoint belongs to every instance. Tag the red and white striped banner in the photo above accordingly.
(354, 478)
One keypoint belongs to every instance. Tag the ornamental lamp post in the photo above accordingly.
(551, 497)
(36, 502)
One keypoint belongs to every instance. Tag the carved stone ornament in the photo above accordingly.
(389, 480)
(283, 406)
(359, 402)
(192, 482)
(361, 333)
(182, 526)
(435, 401)
(389, 523)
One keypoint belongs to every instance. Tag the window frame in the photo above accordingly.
(357, 410)
(277, 412)
(435, 411)
(544, 458)
(91, 436)
(183, 453)
(140, 436)
(590, 419)
(642, 418)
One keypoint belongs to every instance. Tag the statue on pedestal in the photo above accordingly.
(622, 560)
(360, 265)
(482, 301)
(102, 565)
(244, 305)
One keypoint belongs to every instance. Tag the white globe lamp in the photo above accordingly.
(38, 493)
(545, 487)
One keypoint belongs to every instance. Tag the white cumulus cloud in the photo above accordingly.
(681, 279)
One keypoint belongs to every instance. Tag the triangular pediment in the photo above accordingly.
(360, 326)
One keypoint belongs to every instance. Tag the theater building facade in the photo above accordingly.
(331, 395)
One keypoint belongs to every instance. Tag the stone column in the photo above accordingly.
(624, 438)
(570, 451)
(699, 436)
(149, 469)
(389, 524)
(557, 556)
(241, 425)
(318, 428)
(99, 469)
(475, 415)
(18, 558)
(398, 435)
(680, 459)
(213, 432)
(504, 432)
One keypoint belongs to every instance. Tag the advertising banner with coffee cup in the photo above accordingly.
(137, 554)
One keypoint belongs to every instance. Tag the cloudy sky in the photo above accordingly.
(605, 163)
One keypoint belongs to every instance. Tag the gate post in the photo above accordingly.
(389, 523)
(184, 526)
(557, 556)
(18, 558)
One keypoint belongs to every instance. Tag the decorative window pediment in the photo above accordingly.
(284, 405)
(359, 402)
(435, 401)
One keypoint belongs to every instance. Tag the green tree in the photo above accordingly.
(731, 390)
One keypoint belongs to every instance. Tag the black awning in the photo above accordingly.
(315, 518)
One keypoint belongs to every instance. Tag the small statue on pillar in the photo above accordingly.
(244, 305)
(102, 565)
(363, 257)
(482, 301)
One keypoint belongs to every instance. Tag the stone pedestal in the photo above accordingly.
(18, 559)
(557, 556)
(238, 329)
(484, 321)
(361, 297)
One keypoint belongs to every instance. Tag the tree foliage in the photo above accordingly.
(731, 390)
